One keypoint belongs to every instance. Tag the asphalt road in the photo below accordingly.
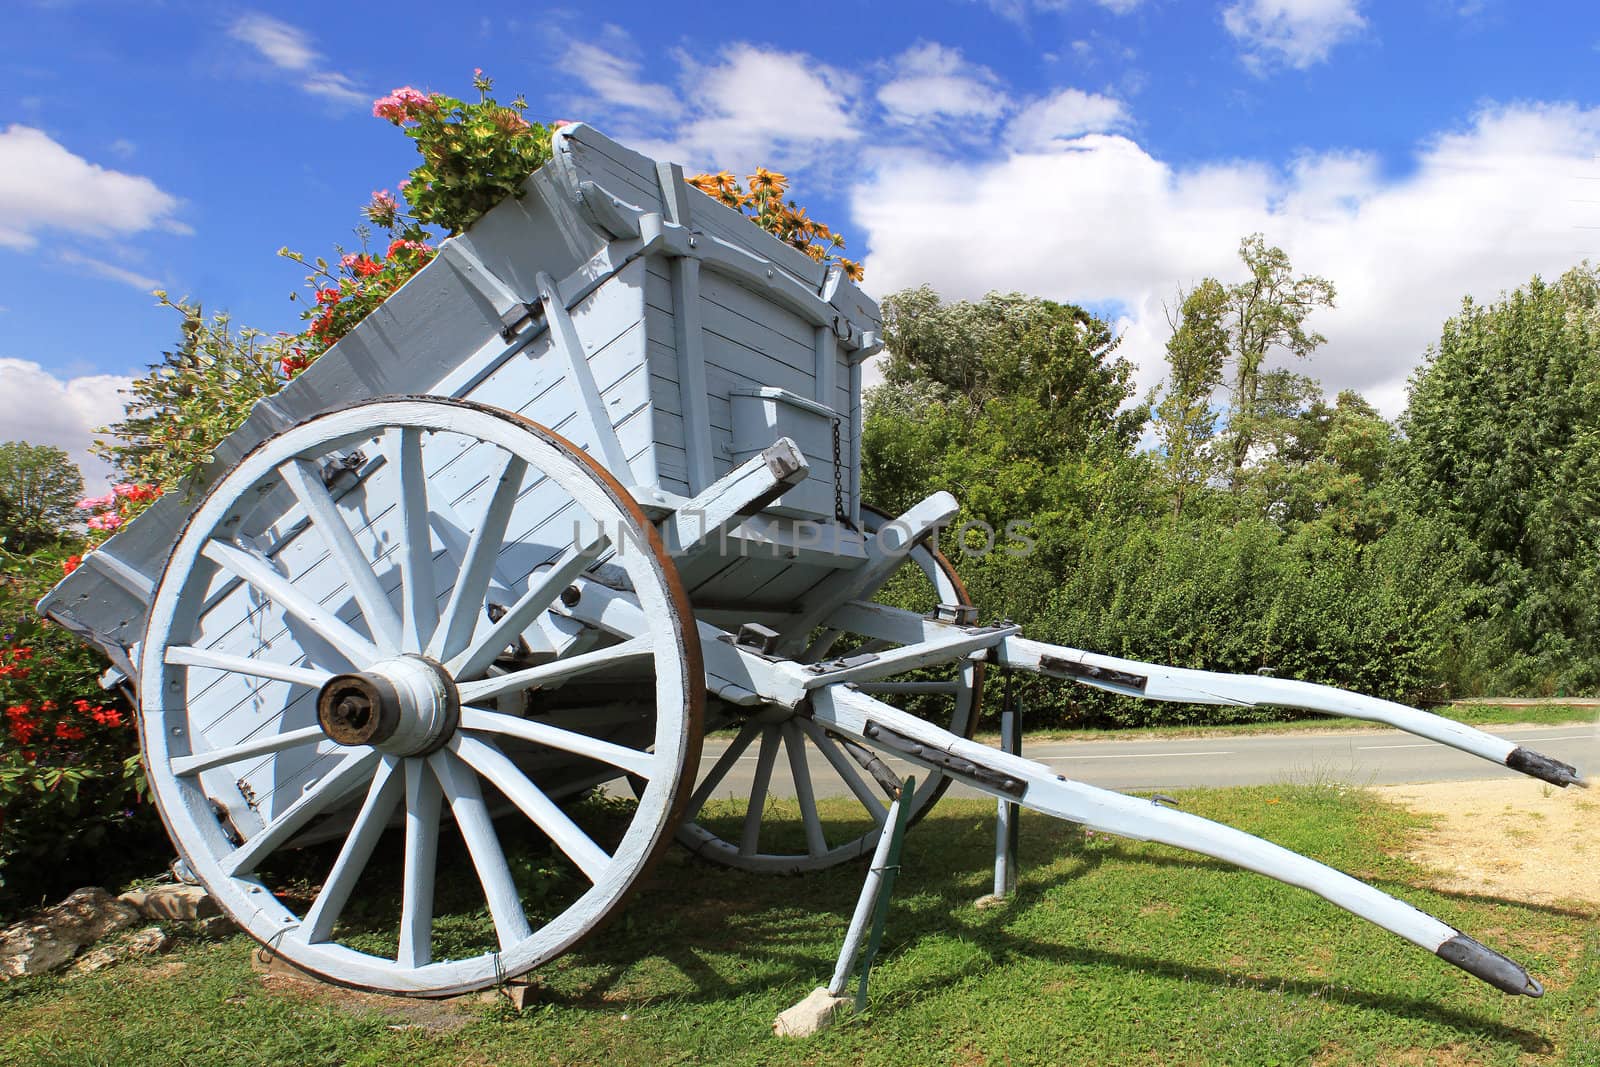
(1359, 757)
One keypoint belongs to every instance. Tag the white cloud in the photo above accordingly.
(616, 80)
(334, 86)
(101, 269)
(289, 48)
(1066, 114)
(1299, 33)
(1100, 220)
(283, 45)
(759, 104)
(38, 407)
(932, 81)
(45, 186)
(1018, 10)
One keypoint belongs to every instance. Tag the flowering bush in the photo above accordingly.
(473, 155)
(764, 204)
(346, 292)
(106, 514)
(70, 778)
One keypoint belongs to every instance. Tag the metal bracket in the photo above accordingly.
(948, 762)
(842, 664)
(757, 638)
(515, 317)
(1091, 673)
(955, 614)
(337, 468)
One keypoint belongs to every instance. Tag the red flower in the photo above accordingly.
(108, 716)
(21, 652)
(70, 564)
(365, 266)
(327, 296)
(68, 732)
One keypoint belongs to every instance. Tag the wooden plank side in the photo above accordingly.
(762, 313)
(604, 158)
(757, 337)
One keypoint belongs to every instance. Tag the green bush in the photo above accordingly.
(1236, 597)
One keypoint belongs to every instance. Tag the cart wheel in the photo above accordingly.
(791, 837)
(352, 635)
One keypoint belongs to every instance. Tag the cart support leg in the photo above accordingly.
(816, 1012)
(1007, 812)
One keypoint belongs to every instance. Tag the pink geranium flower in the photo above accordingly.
(108, 521)
(97, 503)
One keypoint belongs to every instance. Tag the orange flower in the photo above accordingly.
(764, 179)
(852, 269)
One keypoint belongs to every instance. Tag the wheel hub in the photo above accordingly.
(406, 706)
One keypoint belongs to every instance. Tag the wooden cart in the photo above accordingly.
(585, 487)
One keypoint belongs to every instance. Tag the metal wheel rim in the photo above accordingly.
(401, 780)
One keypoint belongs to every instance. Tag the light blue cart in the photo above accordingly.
(585, 487)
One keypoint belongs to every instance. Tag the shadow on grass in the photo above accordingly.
(764, 935)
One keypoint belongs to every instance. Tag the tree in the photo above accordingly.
(1503, 424)
(201, 391)
(1185, 419)
(39, 486)
(1239, 325)
(993, 400)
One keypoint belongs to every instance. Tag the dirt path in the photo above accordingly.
(1514, 839)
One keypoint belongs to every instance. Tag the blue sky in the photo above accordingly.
(1101, 151)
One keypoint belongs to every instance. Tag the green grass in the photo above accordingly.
(1472, 714)
(1113, 952)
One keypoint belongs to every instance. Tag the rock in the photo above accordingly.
(146, 942)
(49, 939)
(517, 994)
(174, 903)
(812, 1015)
(217, 926)
(96, 959)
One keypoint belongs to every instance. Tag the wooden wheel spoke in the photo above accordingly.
(750, 833)
(373, 818)
(247, 750)
(567, 835)
(260, 575)
(189, 656)
(466, 602)
(322, 566)
(482, 720)
(460, 786)
(543, 589)
(846, 771)
(421, 862)
(805, 795)
(418, 597)
(720, 769)
(305, 482)
(334, 786)
(556, 670)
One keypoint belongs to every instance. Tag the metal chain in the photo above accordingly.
(839, 512)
